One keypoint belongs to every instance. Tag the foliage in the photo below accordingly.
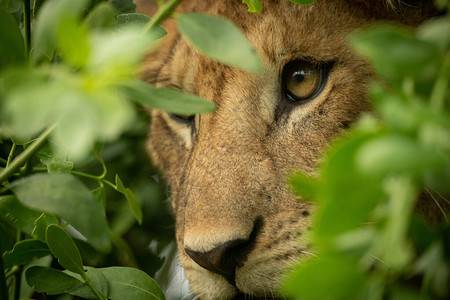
(69, 89)
(369, 241)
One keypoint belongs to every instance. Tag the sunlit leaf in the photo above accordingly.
(24, 252)
(131, 198)
(166, 99)
(253, 5)
(304, 186)
(65, 196)
(50, 281)
(64, 249)
(142, 20)
(220, 40)
(72, 41)
(102, 16)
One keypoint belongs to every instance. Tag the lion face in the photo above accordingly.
(238, 226)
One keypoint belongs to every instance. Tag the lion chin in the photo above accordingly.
(238, 226)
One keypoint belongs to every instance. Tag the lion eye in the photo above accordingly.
(183, 118)
(303, 80)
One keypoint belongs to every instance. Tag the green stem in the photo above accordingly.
(92, 287)
(25, 155)
(11, 154)
(86, 175)
(18, 275)
(162, 13)
(109, 183)
(3, 293)
(27, 25)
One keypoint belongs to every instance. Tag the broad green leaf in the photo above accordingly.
(331, 274)
(253, 5)
(72, 41)
(55, 163)
(131, 198)
(166, 99)
(40, 229)
(220, 40)
(50, 281)
(65, 196)
(394, 52)
(431, 31)
(12, 47)
(64, 249)
(395, 154)
(130, 283)
(24, 252)
(97, 279)
(13, 212)
(49, 21)
(140, 19)
(305, 186)
(344, 207)
(10, 6)
(102, 16)
(302, 2)
(124, 6)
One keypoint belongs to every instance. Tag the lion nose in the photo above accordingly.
(223, 259)
(227, 256)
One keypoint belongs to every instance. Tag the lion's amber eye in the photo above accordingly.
(182, 118)
(302, 80)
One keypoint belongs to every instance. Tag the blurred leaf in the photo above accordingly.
(12, 47)
(394, 52)
(327, 275)
(130, 283)
(65, 196)
(302, 2)
(39, 231)
(54, 162)
(100, 196)
(253, 5)
(50, 281)
(124, 6)
(24, 252)
(220, 40)
(72, 41)
(406, 294)
(431, 31)
(131, 198)
(9, 6)
(305, 186)
(49, 23)
(102, 16)
(64, 249)
(140, 19)
(394, 154)
(166, 99)
(13, 212)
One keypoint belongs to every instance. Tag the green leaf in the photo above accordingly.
(39, 231)
(431, 31)
(140, 19)
(394, 52)
(253, 5)
(55, 163)
(65, 196)
(124, 6)
(166, 99)
(49, 22)
(24, 252)
(10, 6)
(100, 196)
(13, 212)
(220, 40)
(12, 47)
(50, 281)
(302, 2)
(315, 278)
(98, 280)
(304, 186)
(64, 249)
(131, 198)
(72, 41)
(130, 283)
(102, 16)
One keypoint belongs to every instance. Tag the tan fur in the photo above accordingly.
(231, 169)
